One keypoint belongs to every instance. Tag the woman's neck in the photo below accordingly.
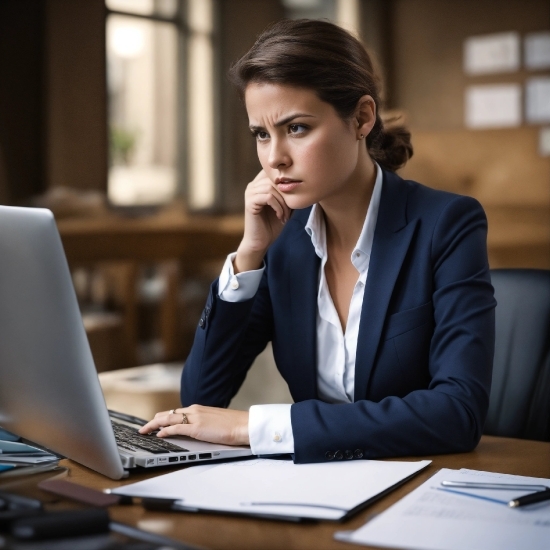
(345, 213)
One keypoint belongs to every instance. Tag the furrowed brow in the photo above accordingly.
(281, 122)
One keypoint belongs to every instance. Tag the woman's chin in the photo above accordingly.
(295, 202)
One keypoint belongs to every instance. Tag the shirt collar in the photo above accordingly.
(315, 228)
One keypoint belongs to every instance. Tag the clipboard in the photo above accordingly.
(275, 489)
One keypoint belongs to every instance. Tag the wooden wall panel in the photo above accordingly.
(498, 167)
(21, 100)
(76, 94)
(502, 168)
(428, 37)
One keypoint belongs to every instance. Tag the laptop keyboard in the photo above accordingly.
(129, 439)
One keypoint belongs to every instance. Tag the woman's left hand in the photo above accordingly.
(212, 424)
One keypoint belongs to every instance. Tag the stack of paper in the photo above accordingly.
(19, 458)
(278, 488)
(434, 517)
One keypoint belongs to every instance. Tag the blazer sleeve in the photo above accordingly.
(228, 338)
(448, 415)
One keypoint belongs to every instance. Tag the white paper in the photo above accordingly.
(537, 50)
(277, 487)
(435, 518)
(14, 459)
(537, 99)
(492, 53)
(15, 452)
(493, 106)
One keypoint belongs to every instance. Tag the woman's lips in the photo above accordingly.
(287, 185)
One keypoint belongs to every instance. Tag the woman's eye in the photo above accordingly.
(261, 136)
(296, 129)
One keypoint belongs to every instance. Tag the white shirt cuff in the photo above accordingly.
(270, 429)
(240, 287)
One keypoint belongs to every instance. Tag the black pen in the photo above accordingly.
(539, 496)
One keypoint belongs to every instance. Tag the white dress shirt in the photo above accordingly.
(269, 426)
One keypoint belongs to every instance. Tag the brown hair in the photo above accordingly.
(323, 57)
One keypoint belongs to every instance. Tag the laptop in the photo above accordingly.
(49, 388)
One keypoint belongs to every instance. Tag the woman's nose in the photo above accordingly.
(278, 155)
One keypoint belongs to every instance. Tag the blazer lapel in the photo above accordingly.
(392, 237)
(304, 274)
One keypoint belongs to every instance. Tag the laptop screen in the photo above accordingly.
(49, 389)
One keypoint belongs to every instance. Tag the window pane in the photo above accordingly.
(142, 85)
(162, 8)
(311, 9)
(201, 171)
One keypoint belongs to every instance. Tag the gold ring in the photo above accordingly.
(184, 419)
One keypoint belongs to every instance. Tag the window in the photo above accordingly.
(161, 120)
(142, 68)
(202, 155)
(343, 12)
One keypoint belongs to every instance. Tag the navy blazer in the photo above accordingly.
(426, 336)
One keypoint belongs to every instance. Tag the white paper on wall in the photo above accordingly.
(492, 53)
(537, 50)
(537, 99)
(493, 106)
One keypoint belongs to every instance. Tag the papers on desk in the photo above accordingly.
(277, 488)
(18, 458)
(16, 452)
(20, 453)
(436, 518)
(8, 436)
(15, 447)
(28, 460)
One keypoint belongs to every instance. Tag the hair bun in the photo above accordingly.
(391, 147)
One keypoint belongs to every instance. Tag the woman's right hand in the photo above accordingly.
(265, 213)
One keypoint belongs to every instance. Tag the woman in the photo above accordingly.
(374, 291)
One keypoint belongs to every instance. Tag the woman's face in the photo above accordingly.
(304, 147)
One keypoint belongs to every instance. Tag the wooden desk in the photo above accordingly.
(512, 456)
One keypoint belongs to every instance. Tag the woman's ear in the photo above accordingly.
(365, 116)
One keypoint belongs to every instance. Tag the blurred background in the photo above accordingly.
(118, 116)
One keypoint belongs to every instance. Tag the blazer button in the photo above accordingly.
(338, 455)
(358, 453)
(329, 455)
(349, 455)
(201, 322)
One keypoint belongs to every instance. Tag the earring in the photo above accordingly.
(361, 136)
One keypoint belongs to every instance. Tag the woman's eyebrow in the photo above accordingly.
(283, 121)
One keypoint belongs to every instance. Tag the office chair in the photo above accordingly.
(519, 405)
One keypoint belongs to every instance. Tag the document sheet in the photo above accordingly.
(433, 517)
(277, 487)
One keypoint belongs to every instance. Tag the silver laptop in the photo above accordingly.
(49, 388)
